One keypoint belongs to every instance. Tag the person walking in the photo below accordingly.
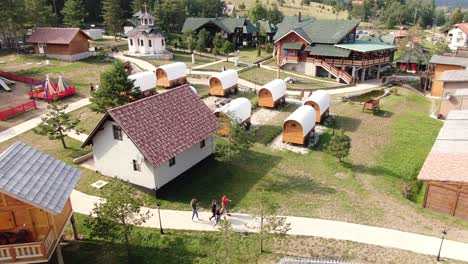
(91, 88)
(217, 215)
(224, 202)
(213, 209)
(194, 204)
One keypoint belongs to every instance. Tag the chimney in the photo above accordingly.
(299, 18)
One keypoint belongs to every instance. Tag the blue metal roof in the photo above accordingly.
(34, 177)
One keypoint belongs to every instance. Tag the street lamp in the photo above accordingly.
(444, 233)
(159, 213)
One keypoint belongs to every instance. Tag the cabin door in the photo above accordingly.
(41, 48)
(40, 221)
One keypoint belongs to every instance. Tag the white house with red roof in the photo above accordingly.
(457, 36)
(153, 140)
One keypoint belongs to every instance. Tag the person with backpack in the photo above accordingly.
(213, 209)
(194, 205)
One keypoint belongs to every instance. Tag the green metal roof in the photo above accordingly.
(316, 31)
(327, 50)
(365, 46)
(269, 27)
(228, 24)
(414, 56)
(387, 39)
(293, 45)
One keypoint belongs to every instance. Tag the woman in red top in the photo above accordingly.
(224, 203)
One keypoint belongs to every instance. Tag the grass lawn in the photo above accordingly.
(261, 76)
(185, 57)
(219, 66)
(180, 247)
(270, 130)
(250, 55)
(202, 90)
(88, 118)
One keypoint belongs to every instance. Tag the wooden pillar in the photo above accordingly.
(363, 74)
(73, 224)
(59, 253)
(353, 73)
(378, 71)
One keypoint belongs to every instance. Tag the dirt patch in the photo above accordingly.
(262, 116)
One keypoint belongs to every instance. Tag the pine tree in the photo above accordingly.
(115, 89)
(57, 123)
(203, 39)
(227, 48)
(38, 12)
(457, 17)
(73, 13)
(112, 15)
(137, 5)
(339, 145)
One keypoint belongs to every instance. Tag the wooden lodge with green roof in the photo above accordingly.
(329, 48)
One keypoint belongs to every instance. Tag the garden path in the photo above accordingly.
(171, 219)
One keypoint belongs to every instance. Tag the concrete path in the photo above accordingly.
(32, 123)
(181, 220)
(296, 74)
(138, 62)
(208, 64)
(81, 137)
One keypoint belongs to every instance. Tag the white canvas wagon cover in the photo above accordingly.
(277, 88)
(174, 70)
(305, 116)
(321, 98)
(145, 80)
(239, 109)
(227, 78)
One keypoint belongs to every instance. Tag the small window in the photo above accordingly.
(117, 132)
(171, 162)
(162, 42)
(131, 42)
(142, 43)
(293, 125)
(151, 21)
(202, 144)
(136, 166)
(149, 43)
(138, 42)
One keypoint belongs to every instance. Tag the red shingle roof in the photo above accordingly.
(164, 125)
(53, 35)
(463, 27)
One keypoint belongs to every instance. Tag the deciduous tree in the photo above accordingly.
(203, 40)
(57, 123)
(73, 13)
(115, 89)
(227, 48)
(116, 216)
(339, 145)
(235, 143)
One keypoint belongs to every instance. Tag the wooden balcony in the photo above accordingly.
(29, 252)
(344, 62)
(291, 59)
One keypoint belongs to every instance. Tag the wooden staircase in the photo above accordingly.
(346, 77)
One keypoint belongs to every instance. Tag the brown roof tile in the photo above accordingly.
(164, 125)
(53, 35)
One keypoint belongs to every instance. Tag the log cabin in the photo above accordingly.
(151, 141)
(445, 169)
(238, 110)
(223, 83)
(171, 75)
(35, 204)
(320, 101)
(298, 127)
(69, 44)
(272, 94)
(443, 63)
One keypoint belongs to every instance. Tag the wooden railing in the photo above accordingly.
(289, 59)
(23, 252)
(350, 62)
(335, 71)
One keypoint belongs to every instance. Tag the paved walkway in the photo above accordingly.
(32, 123)
(181, 220)
(138, 62)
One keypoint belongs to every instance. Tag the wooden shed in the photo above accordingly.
(223, 83)
(299, 126)
(320, 101)
(238, 110)
(171, 75)
(146, 81)
(272, 94)
(446, 168)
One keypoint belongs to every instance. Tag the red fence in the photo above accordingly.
(18, 78)
(17, 109)
(58, 95)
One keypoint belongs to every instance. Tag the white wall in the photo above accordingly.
(455, 41)
(156, 45)
(184, 161)
(114, 158)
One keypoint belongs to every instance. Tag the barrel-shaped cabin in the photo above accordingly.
(238, 110)
(272, 94)
(194, 90)
(320, 101)
(145, 81)
(171, 75)
(299, 127)
(223, 83)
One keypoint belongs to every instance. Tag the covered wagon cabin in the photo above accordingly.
(320, 101)
(238, 110)
(171, 75)
(35, 204)
(223, 83)
(299, 126)
(272, 94)
(446, 168)
(145, 81)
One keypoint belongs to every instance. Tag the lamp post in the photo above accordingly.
(159, 213)
(444, 233)
(433, 29)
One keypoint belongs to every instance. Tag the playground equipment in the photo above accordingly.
(49, 91)
(4, 86)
